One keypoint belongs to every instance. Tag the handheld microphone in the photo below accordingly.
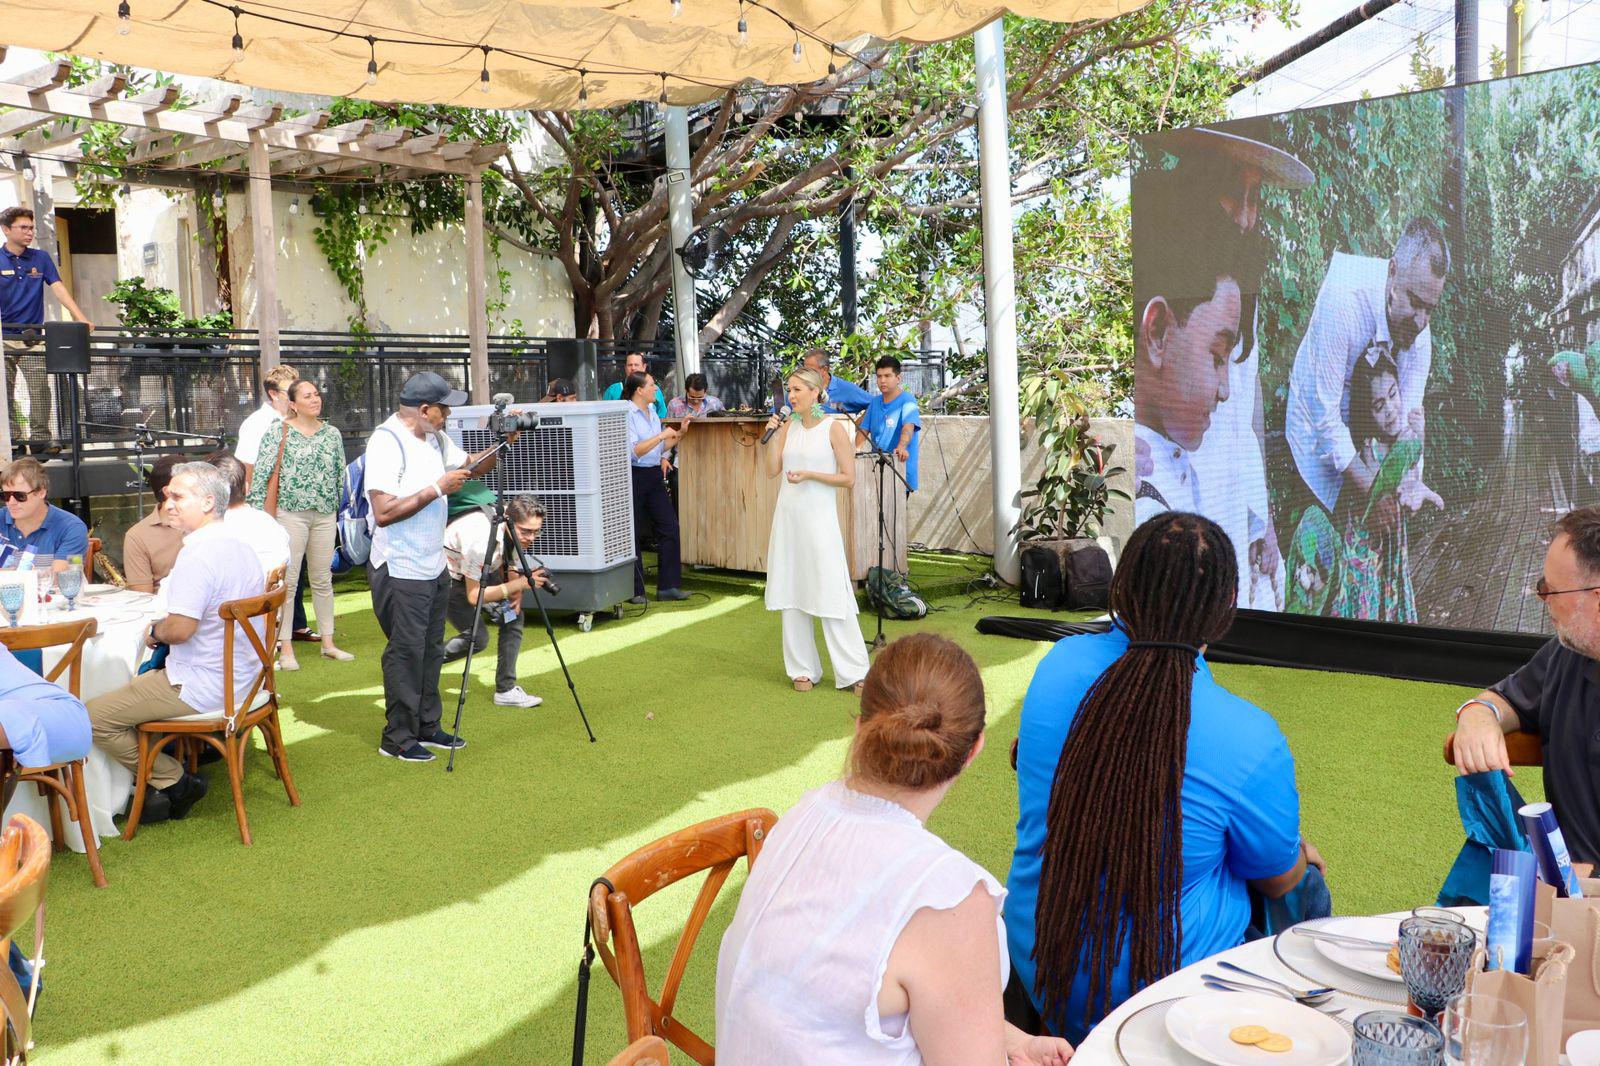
(783, 412)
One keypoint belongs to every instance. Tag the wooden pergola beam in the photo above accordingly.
(16, 123)
(103, 88)
(160, 98)
(351, 131)
(42, 79)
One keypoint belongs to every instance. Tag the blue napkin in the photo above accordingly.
(1488, 803)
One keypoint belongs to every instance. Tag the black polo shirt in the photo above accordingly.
(1557, 695)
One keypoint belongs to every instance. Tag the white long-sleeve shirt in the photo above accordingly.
(1349, 319)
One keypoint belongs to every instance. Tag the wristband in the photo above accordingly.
(1481, 703)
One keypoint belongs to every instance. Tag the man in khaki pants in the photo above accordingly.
(25, 272)
(213, 567)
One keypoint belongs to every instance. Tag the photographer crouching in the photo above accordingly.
(464, 541)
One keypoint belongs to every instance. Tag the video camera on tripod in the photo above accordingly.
(503, 422)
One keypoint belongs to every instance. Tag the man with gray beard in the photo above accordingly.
(1557, 695)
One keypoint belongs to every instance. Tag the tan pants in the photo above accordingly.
(311, 537)
(115, 718)
(28, 356)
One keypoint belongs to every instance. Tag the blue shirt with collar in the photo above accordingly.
(642, 425)
(61, 534)
(44, 722)
(884, 422)
(23, 278)
(1241, 810)
(614, 392)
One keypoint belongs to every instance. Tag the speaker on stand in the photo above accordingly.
(578, 360)
(66, 356)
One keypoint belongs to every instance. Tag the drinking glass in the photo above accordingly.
(1434, 957)
(1390, 1038)
(11, 598)
(70, 582)
(1483, 1031)
(1442, 913)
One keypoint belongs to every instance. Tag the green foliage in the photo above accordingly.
(154, 308)
(1074, 489)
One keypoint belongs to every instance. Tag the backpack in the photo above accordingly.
(888, 589)
(1041, 579)
(355, 522)
(1086, 578)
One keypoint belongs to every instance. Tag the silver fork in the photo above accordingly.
(1223, 984)
(1297, 993)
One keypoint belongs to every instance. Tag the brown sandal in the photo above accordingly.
(859, 687)
(802, 684)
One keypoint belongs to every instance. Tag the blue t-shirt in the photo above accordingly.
(614, 392)
(1241, 810)
(22, 283)
(61, 534)
(884, 422)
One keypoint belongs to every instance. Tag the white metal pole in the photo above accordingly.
(680, 220)
(999, 296)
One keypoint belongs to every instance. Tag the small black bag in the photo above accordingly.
(1087, 578)
(1041, 579)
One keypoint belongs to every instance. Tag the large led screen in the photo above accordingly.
(1368, 344)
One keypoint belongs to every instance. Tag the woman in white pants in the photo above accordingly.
(307, 456)
(807, 575)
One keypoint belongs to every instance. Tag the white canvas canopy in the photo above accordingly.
(536, 48)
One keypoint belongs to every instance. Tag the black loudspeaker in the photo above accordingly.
(576, 359)
(66, 348)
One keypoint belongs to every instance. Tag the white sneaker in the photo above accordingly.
(515, 697)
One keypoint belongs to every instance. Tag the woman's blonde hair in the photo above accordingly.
(813, 380)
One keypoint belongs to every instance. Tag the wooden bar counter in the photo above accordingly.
(725, 502)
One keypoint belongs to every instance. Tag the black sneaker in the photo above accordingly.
(189, 790)
(671, 594)
(638, 601)
(453, 654)
(443, 740)
(157, 808)
(410, 753)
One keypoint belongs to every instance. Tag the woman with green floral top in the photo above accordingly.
(308, 456)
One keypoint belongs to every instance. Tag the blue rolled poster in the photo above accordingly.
(1550, 849)
(1511, 899)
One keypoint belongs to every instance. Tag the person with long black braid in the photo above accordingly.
(1151, 799)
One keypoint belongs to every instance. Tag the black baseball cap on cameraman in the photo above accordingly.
(428, 387)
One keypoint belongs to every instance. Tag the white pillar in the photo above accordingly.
(680, 220)
(999, 296)
(265, 241)
(477, 291)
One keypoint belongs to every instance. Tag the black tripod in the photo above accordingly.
(883, 461)
(497, 526)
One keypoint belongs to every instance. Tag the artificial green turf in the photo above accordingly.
(404, 915)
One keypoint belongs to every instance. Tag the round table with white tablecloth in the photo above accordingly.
(110, 659)
(1101, 1047)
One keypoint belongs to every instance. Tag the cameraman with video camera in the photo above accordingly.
(464, 541)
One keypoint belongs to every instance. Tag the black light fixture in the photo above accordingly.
(483, 76)
(372, 61)
(663, 90)
(583, 86)
(238, 38)
(124, 18)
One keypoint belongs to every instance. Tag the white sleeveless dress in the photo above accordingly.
(801, 965)
(806, 567)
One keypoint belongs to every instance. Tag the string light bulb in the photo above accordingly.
(744, 29)
(25, 165)
(124, 19)
(294, 206)
(483, 76)
(372, 61)
(583, 87)
(361, 209)
(127, 190)
(832, 52)
(238, 38)
(677, 8)
(217, 202)
(799, 52)
(663, 90)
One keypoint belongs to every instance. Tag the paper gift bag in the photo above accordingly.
(1542, 997)
(1576, 922)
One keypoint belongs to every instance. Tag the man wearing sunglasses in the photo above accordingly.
(1557, 695)
(31, 523)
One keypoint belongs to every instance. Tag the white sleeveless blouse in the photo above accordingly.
(800, 968)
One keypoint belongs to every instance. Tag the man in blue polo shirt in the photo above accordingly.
(634, 364)
(30, 522)
(25, 272)
(843, 397)
(893, 422)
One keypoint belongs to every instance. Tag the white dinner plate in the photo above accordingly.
(93, 590)
(1370, 961)
(1200, 1025)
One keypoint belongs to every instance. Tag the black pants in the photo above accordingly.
(411, 614)
(460, 612)
(652, 505)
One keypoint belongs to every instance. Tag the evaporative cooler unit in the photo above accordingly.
(575, 463)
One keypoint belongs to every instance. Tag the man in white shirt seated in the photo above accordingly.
(266, 537)
(1367, 308)
(1189, 308)
(213, 568)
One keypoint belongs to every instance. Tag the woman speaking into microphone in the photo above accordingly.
(807, 575)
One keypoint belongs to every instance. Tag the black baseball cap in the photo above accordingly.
(428, 387)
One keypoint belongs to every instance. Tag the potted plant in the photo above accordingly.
(1067, 506)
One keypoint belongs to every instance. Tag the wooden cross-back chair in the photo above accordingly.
(24, 873)
(95, 546)
(228, 730)
(62, 782)
(647, 1051)
(1523, 749)
(712, 846)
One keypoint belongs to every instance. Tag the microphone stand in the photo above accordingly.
(145, 438)
(498, 523)
(881, 459)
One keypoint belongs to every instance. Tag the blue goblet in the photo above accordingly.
(11, 600)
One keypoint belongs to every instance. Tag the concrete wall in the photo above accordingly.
(414, 284)
(953, 508)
